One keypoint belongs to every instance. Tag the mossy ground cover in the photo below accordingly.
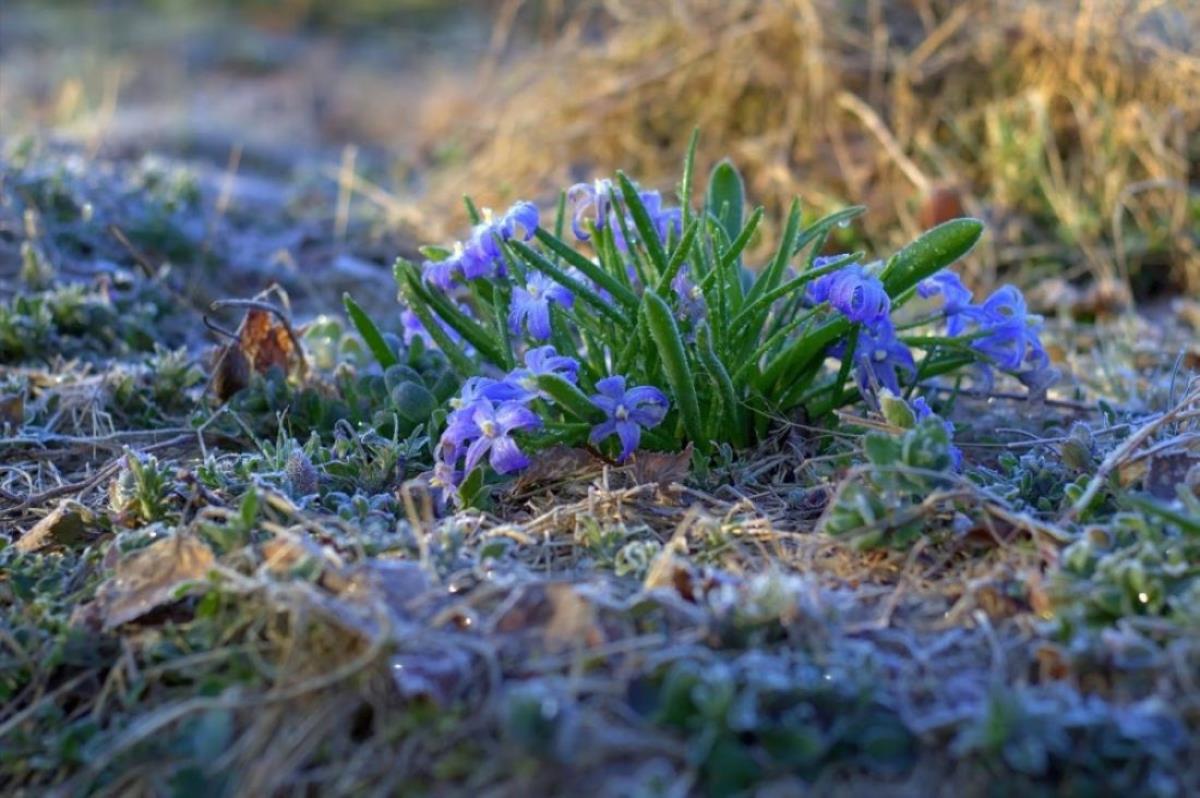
(260, 595)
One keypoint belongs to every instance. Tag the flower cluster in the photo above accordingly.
(597, 197)
(487, 413)
(1000, 329)
(481, 256)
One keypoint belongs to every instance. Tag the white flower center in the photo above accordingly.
(458, 248)
(621, 413)
(488, 427)
(534, 290)
(880, 355)
(488, 215)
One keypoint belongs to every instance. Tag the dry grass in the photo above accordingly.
(1071, 127)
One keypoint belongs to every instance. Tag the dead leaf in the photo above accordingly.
(70, 523)
(152, 578)
(662, 468)
(556, 464)
(265, 342)
(12, 411)
(231, 373)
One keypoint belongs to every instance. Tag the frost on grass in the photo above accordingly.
(936, 583)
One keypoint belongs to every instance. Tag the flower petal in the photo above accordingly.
(506, 457)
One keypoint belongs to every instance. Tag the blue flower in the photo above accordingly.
(543, 360)
(956, 298)
(1008, 328)
(627, 412)
(858, 294)
(531, 305)
(481, 256)
(878, 358)
(486, 428)
(597, 195)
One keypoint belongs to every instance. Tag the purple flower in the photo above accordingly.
(584, 196)
(956, 298)
(482, 428)
(692, 307)
(855, 292)
(543, 360)
(481, 256)
(627, 411)
(531, 305)
(443, 273)
(522, 216)
(476, 389)
(878, 358)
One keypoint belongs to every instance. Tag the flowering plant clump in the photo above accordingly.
(630, 322)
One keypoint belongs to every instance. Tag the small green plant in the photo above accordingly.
(885, 501)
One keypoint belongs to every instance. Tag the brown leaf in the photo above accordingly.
(556, 464)
(70, 523)
(265, 341)
(662, 468)
(231, 374)
(152, 578)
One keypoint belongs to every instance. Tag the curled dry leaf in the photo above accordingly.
(154, 577)
(263, 342)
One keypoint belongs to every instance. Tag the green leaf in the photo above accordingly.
(665, 333)
(796, 357)
(727, 197)
(734, 427)
(472, 212)
(595, 273)
(570, 397)
(369, 332)
(689, 172)
(405, 279)
(771, 276)
(678, 257)
(471, 331)
(930, 253)
(644, 224)
(733, 255)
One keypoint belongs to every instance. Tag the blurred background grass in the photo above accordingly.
(1073, 128)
